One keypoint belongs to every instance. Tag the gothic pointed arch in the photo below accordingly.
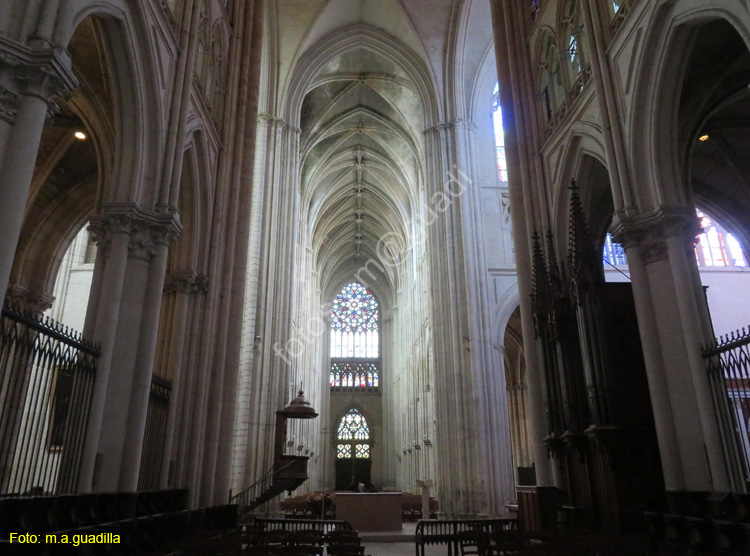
(353, 436)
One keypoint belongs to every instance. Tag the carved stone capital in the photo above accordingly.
(42, 73)
(649, 232)
(8, 104)
(27, 300)
(146, 228)
(185, 281)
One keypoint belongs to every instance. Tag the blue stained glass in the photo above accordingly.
(355, 309)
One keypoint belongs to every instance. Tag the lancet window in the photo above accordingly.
(497, 122)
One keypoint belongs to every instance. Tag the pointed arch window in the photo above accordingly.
(353, 436)
(716, 246)
(573, 21)
(497, 122)
(551, 89)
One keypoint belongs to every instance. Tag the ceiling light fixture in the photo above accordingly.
(703, 137)
(80, 135)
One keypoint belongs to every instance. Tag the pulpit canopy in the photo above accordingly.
(299, 408)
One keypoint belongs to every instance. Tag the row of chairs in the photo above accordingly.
(261, 524)
(411, 507)
(46, 514)
(449, 532)
(733, 507)
(186, 532)
(670, 532)
(298, 543)
(553, 543)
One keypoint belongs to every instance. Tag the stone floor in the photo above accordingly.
(397, 544)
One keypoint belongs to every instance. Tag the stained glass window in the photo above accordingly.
(353, 435)
(716, 246)
(355, 310)
(534, 9)
(356, 374)
(614, 253)
(354, 323)
(354, 426)
(497, 122)
(573, 53)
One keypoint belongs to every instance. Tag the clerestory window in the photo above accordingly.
(355, 340)
(497, 122)
(354, 323)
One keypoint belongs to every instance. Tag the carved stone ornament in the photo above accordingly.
(457, 123)
(146, 228)
(42, 73)
(8, 104)
(22, 298)
(186, 281)
(649, 232)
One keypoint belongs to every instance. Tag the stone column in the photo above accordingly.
(127, 314)
(29, 80)
(181, 285)
(157, 234)
(480, 481)
(672, 317)
(526, 175)
(385, 386)
(276, 355)
(250, 341)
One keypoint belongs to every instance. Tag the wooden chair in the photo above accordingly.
(474, 543)
(343, 537)
(303, 550)
(307, 538)
(505, 543)
(276, 537)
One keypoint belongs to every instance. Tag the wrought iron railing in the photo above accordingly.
(247, 497)
(156, 431)
(728, 364)
(47, 373)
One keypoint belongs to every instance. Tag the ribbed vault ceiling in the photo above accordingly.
(361, 146)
